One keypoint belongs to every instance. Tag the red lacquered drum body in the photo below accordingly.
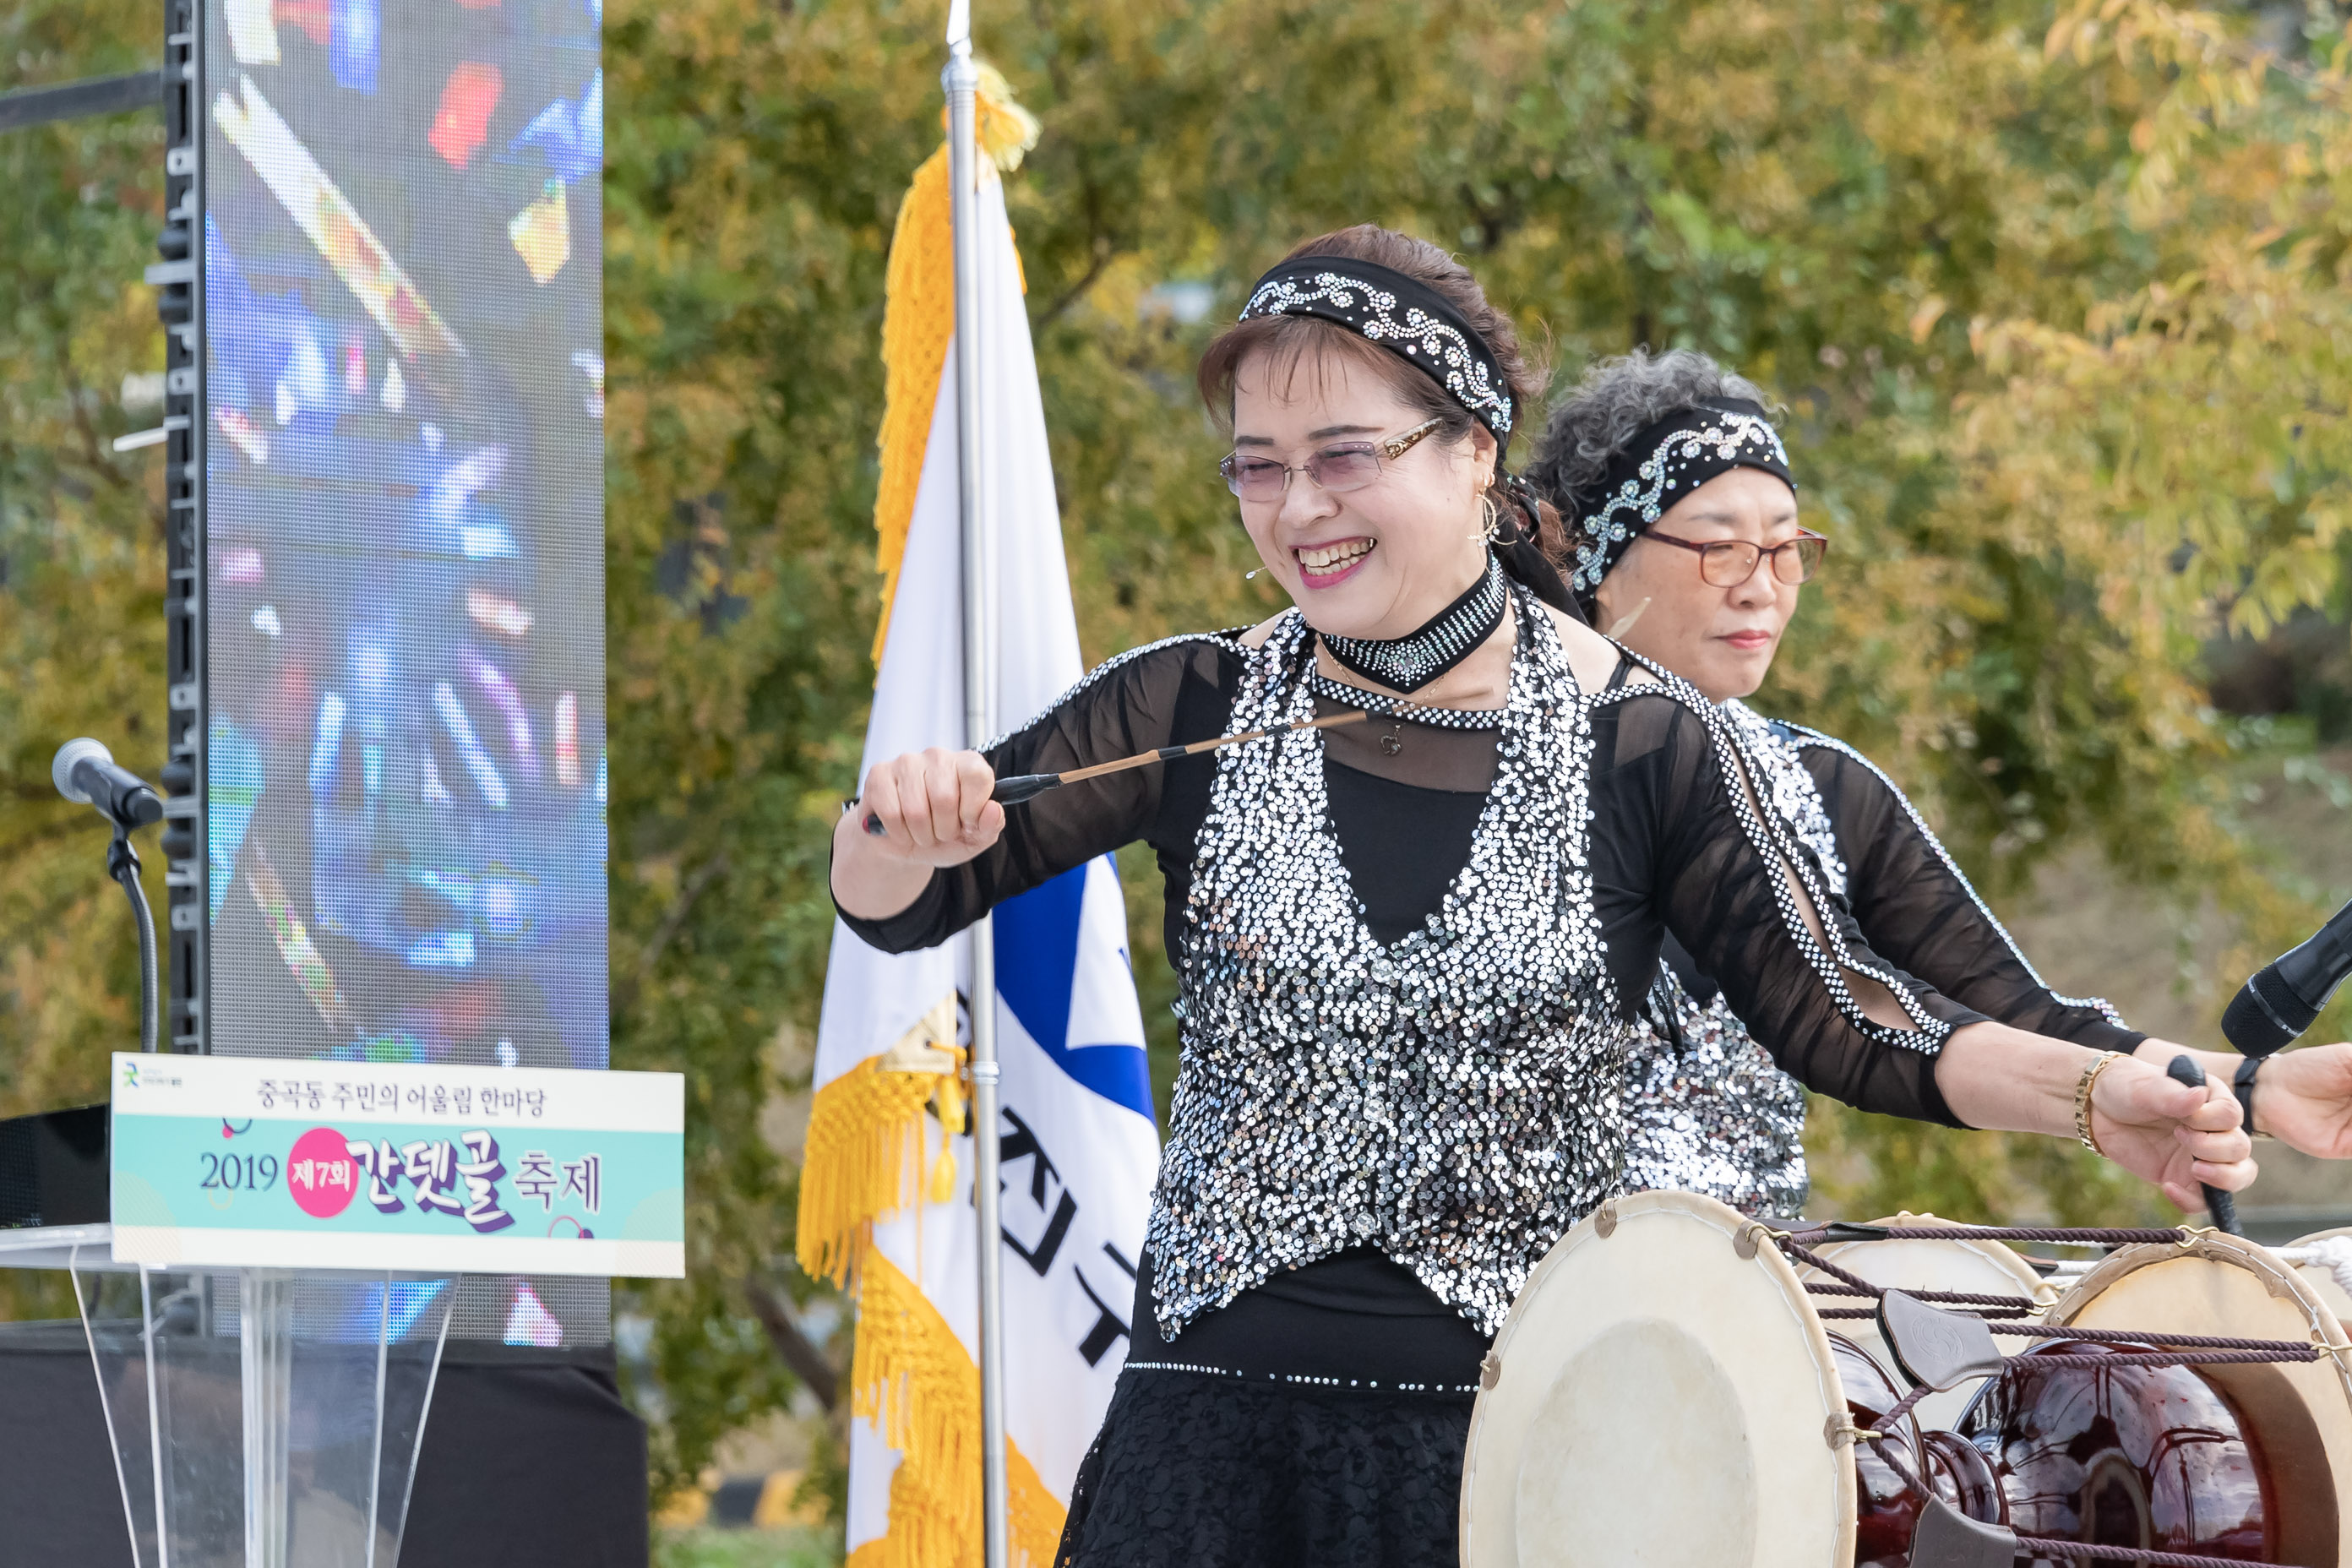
(1886, 1511)
(1964, 1477)
(2129, 1456)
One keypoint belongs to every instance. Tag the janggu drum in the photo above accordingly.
(1679, 1386)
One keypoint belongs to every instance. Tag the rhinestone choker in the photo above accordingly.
(1410, 662)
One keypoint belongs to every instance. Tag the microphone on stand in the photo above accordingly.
(86, 773)
(2284, 996)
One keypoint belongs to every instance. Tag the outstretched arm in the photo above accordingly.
(947, 854)
(1993, 1075)
(1920, 913)
(1753, 916)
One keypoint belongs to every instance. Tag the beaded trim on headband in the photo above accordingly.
(1407, 318)
(1411, 661)
(1684, 450)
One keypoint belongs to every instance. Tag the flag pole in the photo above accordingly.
(961, 79)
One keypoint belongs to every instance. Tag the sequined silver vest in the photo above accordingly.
(1452, 1099)
(1707, 1109)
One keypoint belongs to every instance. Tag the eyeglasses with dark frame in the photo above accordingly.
(1349, 467)
(1729, 562)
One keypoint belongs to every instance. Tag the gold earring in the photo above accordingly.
(1490, 520)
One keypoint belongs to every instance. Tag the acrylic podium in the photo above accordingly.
(259, 1418)
(264, 1279)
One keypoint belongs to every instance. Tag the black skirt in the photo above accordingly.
(1209, 1470)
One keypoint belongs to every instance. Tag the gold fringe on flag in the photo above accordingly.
(919, 324)
(865, 1139)
(914, 1380)
(909, 1375)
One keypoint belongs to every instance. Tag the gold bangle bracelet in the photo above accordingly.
(2083, 1086)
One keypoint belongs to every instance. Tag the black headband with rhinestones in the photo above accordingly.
(1406, 317)
(1659, 467)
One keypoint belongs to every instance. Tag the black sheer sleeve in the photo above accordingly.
(1921, 913)
(1173, 691)
(1674, 851)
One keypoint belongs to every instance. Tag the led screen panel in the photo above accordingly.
(404, 593)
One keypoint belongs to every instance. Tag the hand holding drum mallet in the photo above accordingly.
(1028, 786)
(2218, 1204)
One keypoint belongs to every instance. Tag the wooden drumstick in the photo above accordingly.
(1028, 786)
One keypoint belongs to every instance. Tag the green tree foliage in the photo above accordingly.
(82, 560)
(81, 557)
(2054, 296)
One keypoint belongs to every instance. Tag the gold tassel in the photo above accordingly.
(865, 1154)
(1035, 1515)
(913, 1379)
(917, 324)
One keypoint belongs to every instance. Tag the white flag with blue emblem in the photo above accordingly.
(1080, 1152)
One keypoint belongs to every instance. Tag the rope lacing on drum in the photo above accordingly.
(1855, 1285)
(2058, 1235)
(2159, 1348)
(2085, 1551)
(2187, 1348)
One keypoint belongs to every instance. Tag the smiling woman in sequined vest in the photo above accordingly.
(1409, 951)
(1709, 1111)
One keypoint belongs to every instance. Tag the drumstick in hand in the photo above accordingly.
(1028, 786)
(2218, 1203)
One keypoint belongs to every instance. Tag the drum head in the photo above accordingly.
(1655, 1400)
(1975, 1267)
(2300, 1413)
(2324, 1281)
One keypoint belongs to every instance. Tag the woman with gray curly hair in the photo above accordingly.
(1682, 515)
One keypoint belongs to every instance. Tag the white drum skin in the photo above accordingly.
(1661, 1395)
(2302, 1412)
(1971, 1267)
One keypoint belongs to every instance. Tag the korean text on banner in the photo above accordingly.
(242, 1161)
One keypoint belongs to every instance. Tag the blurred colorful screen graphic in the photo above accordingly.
(404, 682)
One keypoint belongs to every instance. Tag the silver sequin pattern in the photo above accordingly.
(1791, 785)
(1709, 1111)
(1452, 1099)
(1811, 738)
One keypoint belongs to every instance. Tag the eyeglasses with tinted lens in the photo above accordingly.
(1349, 467)
(1729, 562)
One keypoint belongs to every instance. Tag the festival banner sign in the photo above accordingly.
(243, 1161)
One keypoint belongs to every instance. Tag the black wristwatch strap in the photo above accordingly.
(2242, 1082)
